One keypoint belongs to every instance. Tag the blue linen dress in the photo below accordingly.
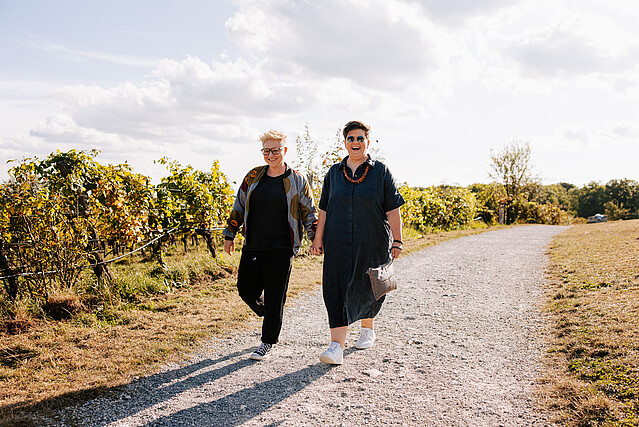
(357, 236)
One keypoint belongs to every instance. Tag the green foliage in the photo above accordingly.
(624, 194)
(536, 213)
(563, 195)
(58, 214)
(524, 198)
(553, 204)
(591, 199)
(611, 377)
(614, 212)
(438, 208)
(190, 198)
(41, 233)
(536, 204)
(619, 199)
(122, 201)
(488, 197)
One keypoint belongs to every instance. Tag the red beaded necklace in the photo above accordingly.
(358, 180)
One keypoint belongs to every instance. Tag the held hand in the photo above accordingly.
(317, 248)
(229, 246)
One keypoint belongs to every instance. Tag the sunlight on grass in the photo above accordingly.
(593, 296)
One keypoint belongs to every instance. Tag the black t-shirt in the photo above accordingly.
(267, 223)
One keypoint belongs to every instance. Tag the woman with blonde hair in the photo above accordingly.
(274, 204)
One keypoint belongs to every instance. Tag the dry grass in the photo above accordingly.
(593, 301)
(45, 365)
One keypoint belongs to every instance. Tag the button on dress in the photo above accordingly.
(356, 236)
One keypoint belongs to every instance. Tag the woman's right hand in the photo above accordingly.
(229, 246)
(317, 248)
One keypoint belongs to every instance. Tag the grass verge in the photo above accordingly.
(45, 365)
(593, 302)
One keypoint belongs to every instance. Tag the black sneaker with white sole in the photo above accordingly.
(262, 352)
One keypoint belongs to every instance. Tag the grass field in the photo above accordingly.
(50, 364)
(593, 303)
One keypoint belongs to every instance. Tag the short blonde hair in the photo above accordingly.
(273, 134)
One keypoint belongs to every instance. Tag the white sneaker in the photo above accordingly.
(366, 338)
(334, 355)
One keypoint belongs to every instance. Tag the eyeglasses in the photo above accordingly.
(269, 151)
(352, 139)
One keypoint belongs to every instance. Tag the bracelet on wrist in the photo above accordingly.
(398, 241)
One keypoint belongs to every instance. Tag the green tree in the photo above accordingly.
(562, 195)
(623, 198)
(591, 199)
(512, 168)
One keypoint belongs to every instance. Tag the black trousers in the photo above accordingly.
(262, 282)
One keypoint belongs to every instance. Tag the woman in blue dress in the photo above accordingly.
(359, 227)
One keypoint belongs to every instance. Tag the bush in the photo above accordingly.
(438, 208)
(535, 213)
(614, 212)
(488, 197)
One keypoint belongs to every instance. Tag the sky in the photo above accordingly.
(441, 83)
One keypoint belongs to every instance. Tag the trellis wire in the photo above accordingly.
(78, 267)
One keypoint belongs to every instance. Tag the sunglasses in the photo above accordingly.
(352, 139)
(269, 151)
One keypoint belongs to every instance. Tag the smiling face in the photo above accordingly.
(356, 144)
(275, 161)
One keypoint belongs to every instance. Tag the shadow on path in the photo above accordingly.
(112, 405)
(119, 403)
(243, 405)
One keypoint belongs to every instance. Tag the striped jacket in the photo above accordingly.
(299, 198)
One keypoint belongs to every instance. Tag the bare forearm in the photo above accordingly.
(395, 222)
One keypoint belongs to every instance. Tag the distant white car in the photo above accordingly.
(597, 218)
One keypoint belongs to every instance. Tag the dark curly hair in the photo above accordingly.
(352, 125)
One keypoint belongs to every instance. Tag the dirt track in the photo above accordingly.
(459, 344)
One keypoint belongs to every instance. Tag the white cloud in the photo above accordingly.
(62, 129)
(438, 81)
(456, 12)
(78, 55)
(379, 44)
(614, 137)
(232, 87)
(578, 44)
(624, 133)
(186, 98)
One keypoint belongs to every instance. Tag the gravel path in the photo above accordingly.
(459, 344)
